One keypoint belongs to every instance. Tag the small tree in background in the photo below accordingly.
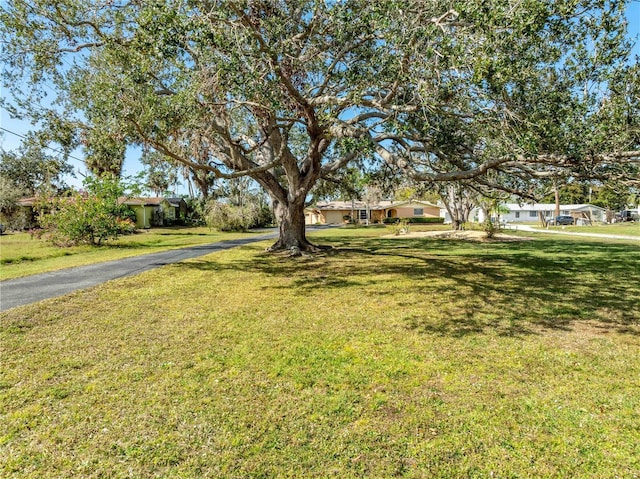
(241, 205)
(228, 217)
(9, 195)
(491, 207)
(89, 216)
(32, 169)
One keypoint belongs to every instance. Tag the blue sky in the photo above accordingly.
(10, 141)
(633, 16)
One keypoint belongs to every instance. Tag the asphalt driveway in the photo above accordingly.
(30, 289)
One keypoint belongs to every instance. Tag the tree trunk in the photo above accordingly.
(290, 217)
(457, 204)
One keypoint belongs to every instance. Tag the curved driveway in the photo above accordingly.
(29, 289)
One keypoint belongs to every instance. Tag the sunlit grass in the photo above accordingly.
(379, 358)
(22, 255)
(625, 229)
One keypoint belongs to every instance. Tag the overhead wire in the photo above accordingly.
(57, 150)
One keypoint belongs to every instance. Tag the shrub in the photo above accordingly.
(426, 220)
(490, 227)
(88, 217)
(11, 216)
(19, 219)
(196, 211)
(400, 227)
(265, 216)
(397, 225)
(421, 220)
(226, 217)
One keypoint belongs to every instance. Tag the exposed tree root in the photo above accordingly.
(297, 249)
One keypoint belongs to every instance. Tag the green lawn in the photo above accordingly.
(626, 229)
(382, 357)
(22, 255)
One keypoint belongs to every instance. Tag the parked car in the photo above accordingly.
(562, 220)
(627, 215)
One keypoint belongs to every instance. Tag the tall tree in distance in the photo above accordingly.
(33, 168)
(160, 173)
(288, 92)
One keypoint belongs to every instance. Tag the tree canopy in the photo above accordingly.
(292, 91)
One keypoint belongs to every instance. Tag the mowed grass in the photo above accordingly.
(23, 255)
(630, 228)
(382, 357)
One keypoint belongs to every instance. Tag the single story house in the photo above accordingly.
(531, 212)
(524, 213)
(25, 206)
(156, 211)
(149, 211)
(339, 212)
(27, 203)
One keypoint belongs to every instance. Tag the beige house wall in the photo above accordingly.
(407, 211)
(335, 217)
(377, 216)
(313, 217)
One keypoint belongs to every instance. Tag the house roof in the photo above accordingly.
(177, 201)
(549, 207)
(29, 201)
(361, 205)
(151, 201)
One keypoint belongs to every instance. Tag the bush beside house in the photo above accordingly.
(429, 220)
(83, 218)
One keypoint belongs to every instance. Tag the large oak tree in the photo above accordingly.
(291, 91)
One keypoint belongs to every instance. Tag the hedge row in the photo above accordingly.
(389, 221)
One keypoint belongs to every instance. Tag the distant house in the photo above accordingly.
(156, 211)
(25, 206)
(339, 212)
(27, 203)
(149, 211)
(531, 212)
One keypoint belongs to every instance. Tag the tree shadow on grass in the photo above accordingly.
(458, 288)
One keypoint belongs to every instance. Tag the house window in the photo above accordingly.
(533, 214)
(363, 214)
(418, 211)
(517, 214)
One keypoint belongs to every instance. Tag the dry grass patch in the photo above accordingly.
(470, 235)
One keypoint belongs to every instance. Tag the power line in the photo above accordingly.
(47, 147)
